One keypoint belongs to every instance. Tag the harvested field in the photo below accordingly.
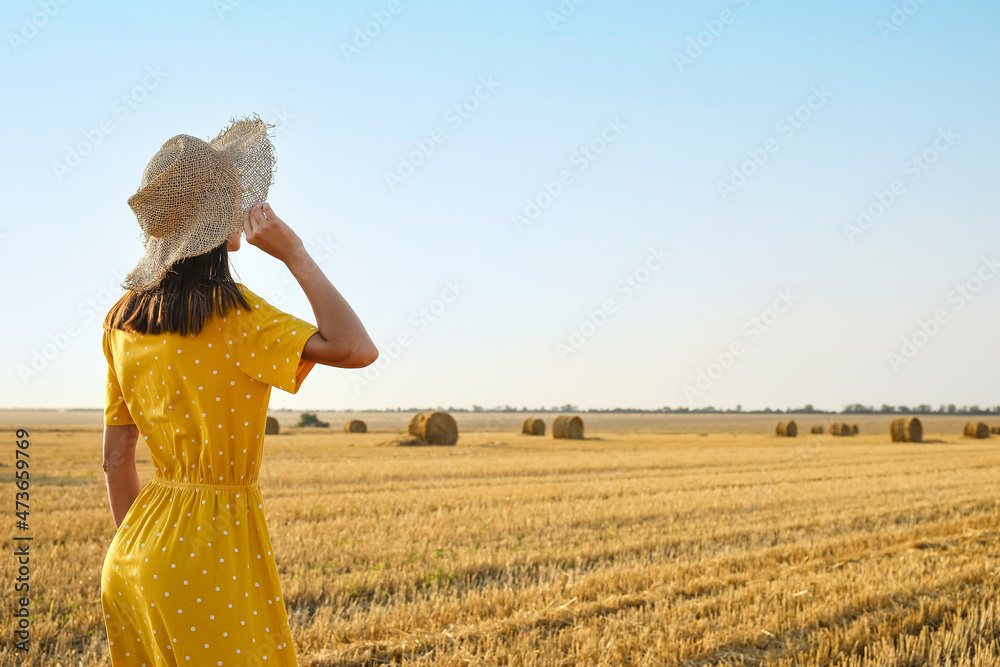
(632, 546)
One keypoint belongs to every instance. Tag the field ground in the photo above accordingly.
(659, 540)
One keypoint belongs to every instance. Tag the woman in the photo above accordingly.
(190, 576)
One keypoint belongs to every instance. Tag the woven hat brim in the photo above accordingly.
(160, 254)
(247, 143)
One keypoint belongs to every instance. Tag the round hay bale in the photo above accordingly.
(786, 429)
(434, 428)
(977, 430)
(355, 426)
(995, 430)
(906, 429)
(817, 430)
(567, 427)
(854, 429)
(840, 429)
(271, 426)
(533, 426)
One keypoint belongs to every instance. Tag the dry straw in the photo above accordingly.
(271, 426)
(434, 428)
(533, 426)
(786, 429)
(906, 429)
(977, 430)
(817, 430)
(854, 429)
(567, 427)
(355, 426)
(995, 430)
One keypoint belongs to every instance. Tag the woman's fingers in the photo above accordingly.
(247, 224)
(260, 225)
(257, 214)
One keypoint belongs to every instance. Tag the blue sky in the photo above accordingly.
(642, 109)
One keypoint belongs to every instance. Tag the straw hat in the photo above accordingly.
(193, 195)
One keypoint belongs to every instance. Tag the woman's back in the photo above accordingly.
(197, 396)
(191, 573)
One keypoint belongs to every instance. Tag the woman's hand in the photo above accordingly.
(264, 229)
(120, 475)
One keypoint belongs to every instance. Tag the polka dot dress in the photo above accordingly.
(190, 575)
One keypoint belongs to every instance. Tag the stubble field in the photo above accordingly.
(658, 540)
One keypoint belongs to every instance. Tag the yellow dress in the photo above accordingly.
(190, 575)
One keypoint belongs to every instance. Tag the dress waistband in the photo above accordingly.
(205, 486)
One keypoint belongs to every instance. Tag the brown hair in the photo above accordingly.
(191, 292)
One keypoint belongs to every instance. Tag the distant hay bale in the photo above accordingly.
(854, 429)
(271, 426)
(355, 426)
(533, 426)
(841, 429)
(817, 429)
(434, 428)
(567, 427)
(906, 429)
(786, 429)
(977, 430)
(995, 430)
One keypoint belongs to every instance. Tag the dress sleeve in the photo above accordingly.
(115, 410)
(266, 343)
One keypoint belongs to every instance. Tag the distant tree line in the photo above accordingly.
(922, 409)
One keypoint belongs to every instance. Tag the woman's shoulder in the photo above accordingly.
(255, 300)
(250, 295)
(259, 307)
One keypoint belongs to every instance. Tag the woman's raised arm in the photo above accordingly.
(342, 340)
